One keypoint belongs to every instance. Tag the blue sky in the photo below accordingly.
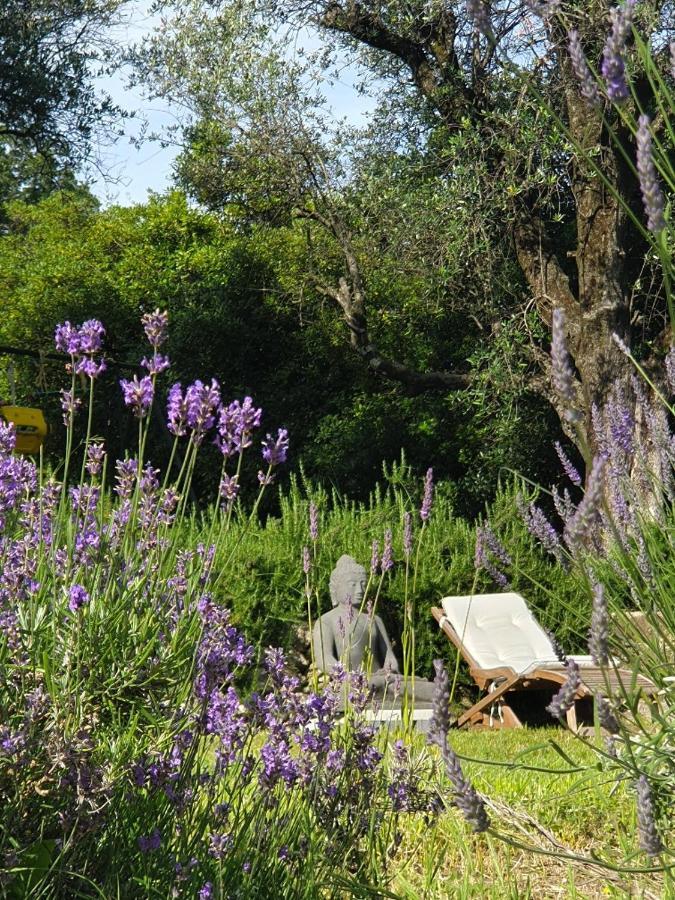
(128, 172)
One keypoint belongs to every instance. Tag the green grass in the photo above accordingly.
(538, 799)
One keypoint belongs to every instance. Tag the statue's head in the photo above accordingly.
(347, 582)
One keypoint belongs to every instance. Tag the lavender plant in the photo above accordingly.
(133, 759)
(618, 537)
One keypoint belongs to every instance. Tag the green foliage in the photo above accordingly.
(264, 585)
(51, 111)
(239, 313)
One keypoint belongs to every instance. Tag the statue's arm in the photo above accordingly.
(386, 650)
(323, 646)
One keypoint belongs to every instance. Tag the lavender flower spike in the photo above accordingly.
(564, 699)
(585, 517)
(155, 325)
(652, 196)
(562, 374)
(138, 394)
(567, 465)
(587, 83)
(375, 558)
(613, 66)
(598, 638)
(606, 716)
(427, 500)
(274, 452)
(485, 541)
(648, 833)
(77, 597)
(466, 798)
(670, 365)
(387, 562)
(313, 521)
(440, 713)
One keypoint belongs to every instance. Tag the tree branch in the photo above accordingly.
(370, 29)
(351, 303)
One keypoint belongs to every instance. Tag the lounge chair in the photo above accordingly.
(510, 656)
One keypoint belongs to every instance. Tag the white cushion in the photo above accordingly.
(498, 630)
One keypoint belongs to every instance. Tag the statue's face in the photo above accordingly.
(348, 584)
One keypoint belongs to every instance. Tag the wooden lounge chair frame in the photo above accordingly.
(504, 683)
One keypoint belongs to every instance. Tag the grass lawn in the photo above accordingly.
(539, 799)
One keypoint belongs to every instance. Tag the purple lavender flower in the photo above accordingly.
(306, 560)
(598, 639)
(67, 339)
(613, 66)
(264, 478)
(494, 545)
(176, 411)
(375, 557)
(440, 714)
(387, 562)
(650, 840)
(557, 647)
(155, 325)
(220, 845)
(489, 549)
(540, 528)
(206, 891)
(564, 699)
(561, 367)
(156, 364)
(125, 477)
(567, 465)
(221, 649)
(275, 451)
(313, 521)
(620, 422)
(7, 436)
(91, 334)
(579, 527)
(670, 363)
(202, 402)
(587, 83)
(652, 196)
(427, 500)
(236, 424)
(229, 489)
(95, 457)
(407, 535)
(69, 405)
(150, 842)
(606, 716)
(138, 394)
(77, 597)
(92, 368)
(466, 797)
(279, 764)
(563, 504)
(82, 344)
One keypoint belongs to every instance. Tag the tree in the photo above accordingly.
(50, 109)
(496, 114)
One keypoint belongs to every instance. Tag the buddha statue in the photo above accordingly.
(358, 639)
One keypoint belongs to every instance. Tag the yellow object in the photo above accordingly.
(31, 427)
